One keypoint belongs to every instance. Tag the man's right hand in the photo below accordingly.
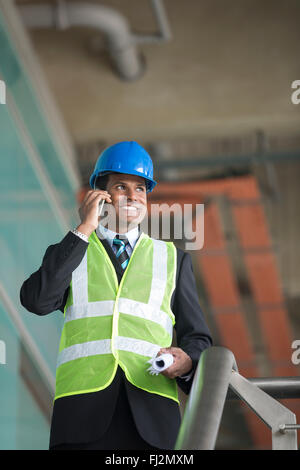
(88, 210)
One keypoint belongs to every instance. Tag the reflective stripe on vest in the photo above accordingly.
(94, 348)
(106, 307)
(107, 324)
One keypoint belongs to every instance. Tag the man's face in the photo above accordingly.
(129, 198)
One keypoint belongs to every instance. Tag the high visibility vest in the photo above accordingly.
(107, 324)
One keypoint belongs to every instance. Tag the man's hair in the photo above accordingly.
(101, 182)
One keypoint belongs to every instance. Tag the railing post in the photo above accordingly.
(204, 408)
(273, 413)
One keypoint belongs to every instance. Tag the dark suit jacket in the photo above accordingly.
(86, 417)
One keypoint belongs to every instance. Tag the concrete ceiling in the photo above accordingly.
(227, 72)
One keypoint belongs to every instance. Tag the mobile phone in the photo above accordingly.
(101, 204)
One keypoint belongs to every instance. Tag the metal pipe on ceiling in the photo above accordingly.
(121, 42)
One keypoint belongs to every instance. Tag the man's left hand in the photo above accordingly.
(182, 364)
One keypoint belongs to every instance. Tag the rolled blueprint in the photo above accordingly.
(160, 363)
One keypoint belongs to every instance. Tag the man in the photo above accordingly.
(122, 292)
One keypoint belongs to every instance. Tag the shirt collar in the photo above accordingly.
(109, 235)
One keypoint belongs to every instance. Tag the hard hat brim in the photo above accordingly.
(150, 183)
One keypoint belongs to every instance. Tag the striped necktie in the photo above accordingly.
(121, 254)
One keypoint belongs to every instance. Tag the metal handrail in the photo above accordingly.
(276, 387)
(215, 374)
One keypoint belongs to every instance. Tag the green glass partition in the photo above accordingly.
(37, 208)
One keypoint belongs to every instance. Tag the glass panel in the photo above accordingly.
(22, 425)
(29, 223)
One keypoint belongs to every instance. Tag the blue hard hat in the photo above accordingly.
(125, 157)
